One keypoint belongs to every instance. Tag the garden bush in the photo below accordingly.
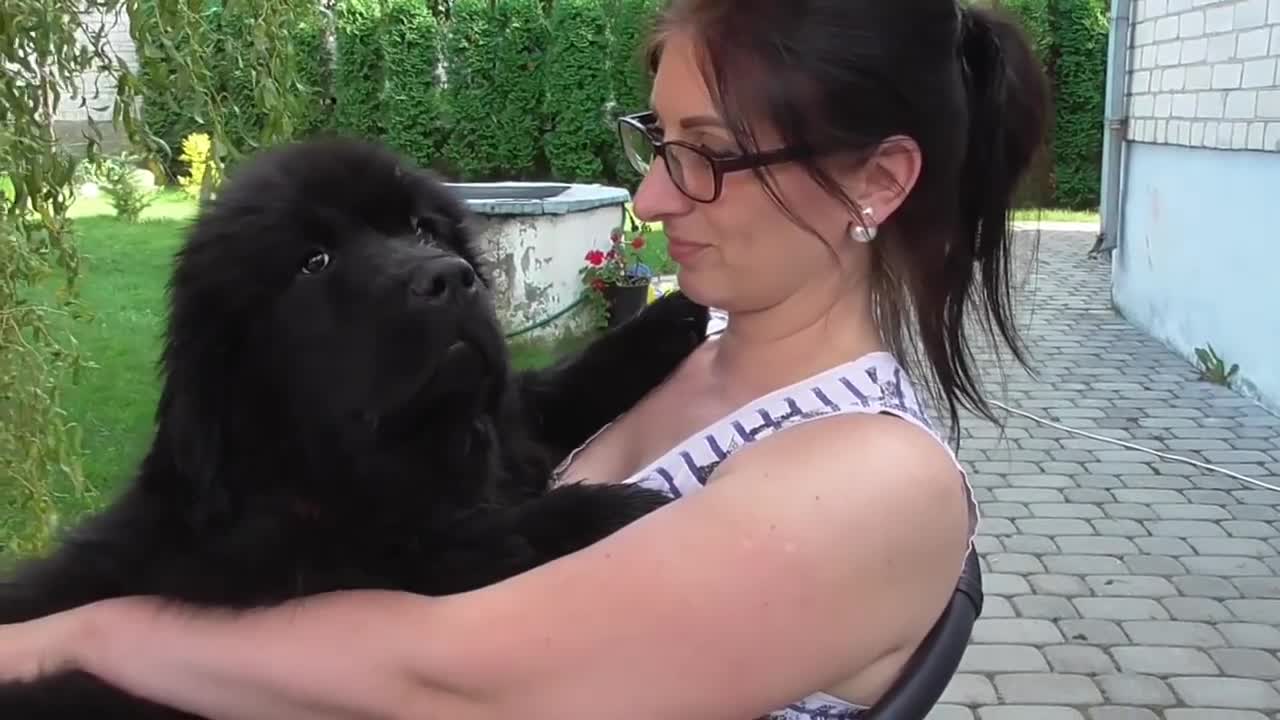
(358, 68)
(632, 81)
(494, 97)
(1080, 34)
(167, 111)
(314, 55)
(411, 96)
(579, 141)
(237, 54)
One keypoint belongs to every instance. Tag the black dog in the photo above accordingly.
(338, 412)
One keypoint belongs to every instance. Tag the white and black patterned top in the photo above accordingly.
(874, 383)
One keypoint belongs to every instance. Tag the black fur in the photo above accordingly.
(354, 426)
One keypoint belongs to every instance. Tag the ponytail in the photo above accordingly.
(1007, 101)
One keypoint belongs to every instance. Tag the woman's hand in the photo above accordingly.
(38, 648)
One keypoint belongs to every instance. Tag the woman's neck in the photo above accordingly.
(765, 349)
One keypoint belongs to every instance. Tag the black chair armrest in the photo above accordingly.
(930, 669)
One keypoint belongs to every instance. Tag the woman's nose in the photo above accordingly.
(658, 197)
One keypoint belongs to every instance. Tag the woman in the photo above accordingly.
(835, 176)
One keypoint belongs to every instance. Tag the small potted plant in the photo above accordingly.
(617, 279)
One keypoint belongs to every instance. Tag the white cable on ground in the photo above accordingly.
(1131, 446)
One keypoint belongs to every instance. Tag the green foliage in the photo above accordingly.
(471, 54)
(359, 68)
(1080, 31)
(494, 95)
(166, 111)
(315, 72)
(236, 58)
(1213, 368)
(633, 20)
(122, 183)
(202, 176)
(1036, 18)
(45, 47)
(579, 89)
(412, 95)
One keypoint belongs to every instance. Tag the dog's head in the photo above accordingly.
(331, 295)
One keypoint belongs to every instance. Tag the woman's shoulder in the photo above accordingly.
(851, 444)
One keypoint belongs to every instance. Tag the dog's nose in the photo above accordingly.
(443, 280)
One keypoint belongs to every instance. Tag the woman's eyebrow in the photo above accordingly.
(699, 121)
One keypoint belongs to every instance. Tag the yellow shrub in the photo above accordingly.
(196, 153)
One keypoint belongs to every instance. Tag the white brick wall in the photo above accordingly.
(1205, 73)
(97, 95)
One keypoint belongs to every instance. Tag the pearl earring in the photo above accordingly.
(864, 232)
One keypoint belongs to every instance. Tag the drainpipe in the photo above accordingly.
(1113, 142)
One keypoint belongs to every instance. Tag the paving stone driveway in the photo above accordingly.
(1120, 585)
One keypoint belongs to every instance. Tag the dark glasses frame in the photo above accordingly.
(643, 123)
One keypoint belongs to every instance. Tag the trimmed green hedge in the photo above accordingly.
(314, 56)
(494, 95)
(1080, 32)
(578, 92)
(530, 90)
(1070, 37)
(411, 97)
(358, 68)
(519, 75)
(633, 20)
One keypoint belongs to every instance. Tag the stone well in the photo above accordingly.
(534, 237)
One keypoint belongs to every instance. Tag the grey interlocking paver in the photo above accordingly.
(1258, 587)
(950, 712)
(1131, 585)
(1049, 607)
(1163, 660)
(1079, 659)
(1162, 565)
(1246, 663)
(1173, 632)
(1251, 635)
(1197, 609)
(1226, 692)
(1022, 712)
(1118, 712)
(1135, 689)
(1050, 688)
(1121, 585)
(1120, 608)
(1266, 612)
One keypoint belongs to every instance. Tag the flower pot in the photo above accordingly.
(624, 302)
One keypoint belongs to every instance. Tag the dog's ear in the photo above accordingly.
(192, 439)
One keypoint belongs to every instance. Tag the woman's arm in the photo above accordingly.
(813, 554)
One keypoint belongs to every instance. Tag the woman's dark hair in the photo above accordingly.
(960, 80)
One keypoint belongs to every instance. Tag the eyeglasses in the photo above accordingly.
(694, 171)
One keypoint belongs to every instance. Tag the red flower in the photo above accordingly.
(611, 255)
(595, 258)
(615, 237)
(598, 284)
(638, 242)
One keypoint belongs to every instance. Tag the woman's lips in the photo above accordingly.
(683, 251)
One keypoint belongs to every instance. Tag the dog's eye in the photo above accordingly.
(422, 230)
(316, 263)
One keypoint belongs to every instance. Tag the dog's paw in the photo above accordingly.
(673, 325)
(576, 515)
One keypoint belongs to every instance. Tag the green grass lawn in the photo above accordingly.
(1055, 215)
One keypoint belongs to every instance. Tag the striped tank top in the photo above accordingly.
(874, 383)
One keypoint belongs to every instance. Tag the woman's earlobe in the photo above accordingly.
(864, 230)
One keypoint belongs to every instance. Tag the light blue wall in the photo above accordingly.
(1199, 255)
